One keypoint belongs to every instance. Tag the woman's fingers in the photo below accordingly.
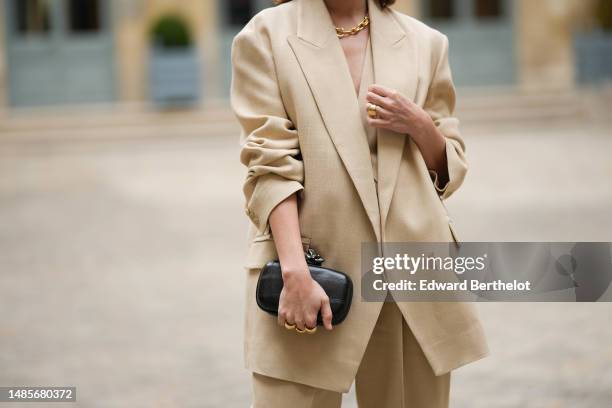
(282, 317)
(384, 110)
(382, 114)
(382, 90)
(379, 123)
(311, 320)
(289, 319)
(299, 323)
(326, 313)
(380, 101)
(301, 314)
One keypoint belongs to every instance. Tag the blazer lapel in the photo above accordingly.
(395, 66)
(324, 65)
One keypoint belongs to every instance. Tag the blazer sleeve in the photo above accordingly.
(440, 105)
(269, 140)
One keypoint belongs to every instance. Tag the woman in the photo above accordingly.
(348, 137)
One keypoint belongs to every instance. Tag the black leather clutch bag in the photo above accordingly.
(337, 285)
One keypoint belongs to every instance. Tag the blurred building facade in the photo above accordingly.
(96, 51)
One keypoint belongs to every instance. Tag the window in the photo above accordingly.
(488, 8)
(238, 12)
(83, 15)
(32, 16)
(441, 9)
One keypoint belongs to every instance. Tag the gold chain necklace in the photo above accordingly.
(341, 32)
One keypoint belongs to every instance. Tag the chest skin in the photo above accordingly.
(354, 48)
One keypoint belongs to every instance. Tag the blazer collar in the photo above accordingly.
(323, 63)
(316, 26)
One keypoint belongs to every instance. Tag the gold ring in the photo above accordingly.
(310, 331)
(372, 110)
(300, 331)
(289, 326)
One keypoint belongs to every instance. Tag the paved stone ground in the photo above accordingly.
(120, 268)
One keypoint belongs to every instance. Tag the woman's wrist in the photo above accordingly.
(297, 269)
(431, 143)
(423, 129)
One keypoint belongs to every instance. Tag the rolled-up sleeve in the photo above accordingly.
(269, 141)
(440, 105)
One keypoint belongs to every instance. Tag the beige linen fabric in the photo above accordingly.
(394, 373)
(367, 78)
(302, 132)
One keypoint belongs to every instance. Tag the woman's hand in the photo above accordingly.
(301, 300)
(397, 113)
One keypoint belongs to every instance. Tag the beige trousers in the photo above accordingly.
(394, 373)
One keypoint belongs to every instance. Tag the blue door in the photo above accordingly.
(481, 36)
(59, 51)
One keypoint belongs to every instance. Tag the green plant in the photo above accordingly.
(604, 14)
(171, 31)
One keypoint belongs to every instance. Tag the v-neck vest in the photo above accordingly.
(367, 78)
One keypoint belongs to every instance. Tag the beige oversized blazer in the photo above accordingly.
(301, 132)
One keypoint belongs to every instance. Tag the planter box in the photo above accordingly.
(593, 56)
(174, 76)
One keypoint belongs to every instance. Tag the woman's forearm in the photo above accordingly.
(285, 228)
(400, 114)
(432, 144)
(302, 298)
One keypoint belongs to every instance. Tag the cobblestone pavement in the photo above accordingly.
(120, 269)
